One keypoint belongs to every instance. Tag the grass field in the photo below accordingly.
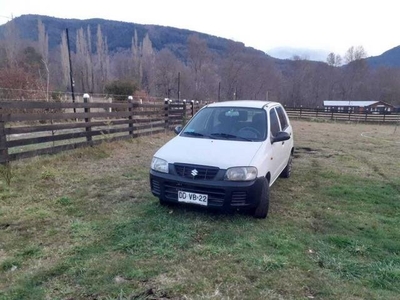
(84, 225)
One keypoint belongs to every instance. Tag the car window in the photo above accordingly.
(275, 126)
(235, 123)
(282, 118)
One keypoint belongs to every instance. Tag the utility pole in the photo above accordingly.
(70, 70)
(179, 86)
(219, 91)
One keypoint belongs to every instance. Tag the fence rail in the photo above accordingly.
(31, 128)
(321, 113)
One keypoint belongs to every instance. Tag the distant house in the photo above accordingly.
(375, 107)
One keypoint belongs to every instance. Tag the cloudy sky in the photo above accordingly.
(333, 25)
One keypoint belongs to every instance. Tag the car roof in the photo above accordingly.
(242, 103)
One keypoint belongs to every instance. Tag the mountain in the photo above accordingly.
(390, 58)
(288, 53)
(119, 34)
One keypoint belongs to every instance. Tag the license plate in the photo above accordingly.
(193, 198)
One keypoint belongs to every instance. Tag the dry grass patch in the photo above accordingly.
(84, 225)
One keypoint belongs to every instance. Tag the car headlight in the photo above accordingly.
(160, 165)
(241, 174)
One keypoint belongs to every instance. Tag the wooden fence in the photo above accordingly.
(321, 113)
(31, 128)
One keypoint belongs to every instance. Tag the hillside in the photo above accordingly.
(119, 34)
(209, 67)
(390, 58)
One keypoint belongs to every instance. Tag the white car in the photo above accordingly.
(227, 156)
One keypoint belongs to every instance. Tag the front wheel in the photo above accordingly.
(162, 201)
(261, 210)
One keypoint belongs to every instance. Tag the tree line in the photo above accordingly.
(29, 70)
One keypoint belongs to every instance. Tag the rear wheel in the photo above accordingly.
(287, 171)
(261, 210)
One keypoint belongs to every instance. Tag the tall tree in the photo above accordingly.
(43, 44)
(147, 63)
(43, 41)
(64, 61)
(198, 58)
(334, 60)
(82, 73)
(166, 73)
(103, 62)
(355, 73)
(136, 50)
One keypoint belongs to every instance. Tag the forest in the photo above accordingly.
(199, 67)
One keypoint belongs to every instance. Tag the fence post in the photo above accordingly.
(184, 113)
(192, 107)
(166, 106)
(86, 98)
(301, 106)
(130, 108)
(3, 141)
(316, 115)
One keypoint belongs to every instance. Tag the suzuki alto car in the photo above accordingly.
(227, 156)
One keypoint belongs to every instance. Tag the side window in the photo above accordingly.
(282, 117)
(275, 127)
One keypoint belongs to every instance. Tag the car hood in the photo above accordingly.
(209, 152)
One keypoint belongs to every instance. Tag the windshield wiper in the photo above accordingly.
(230, 136)
(194, 133)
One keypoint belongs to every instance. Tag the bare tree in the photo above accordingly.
(354, 79)
(136, 59)
(64, 60)
(230, 72)
(166, 73)
(103, 60)
(354, 54)
(81, 73)
(198, 57)
(147, 64)
(334, 60)
(43, 43)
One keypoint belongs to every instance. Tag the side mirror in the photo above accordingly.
(178, 129)
(280, 137)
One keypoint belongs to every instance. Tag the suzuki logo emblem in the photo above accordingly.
(194, 172)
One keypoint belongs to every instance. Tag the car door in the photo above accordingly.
(278, 153)
(285, 126)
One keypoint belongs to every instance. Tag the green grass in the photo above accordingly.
(84, 225)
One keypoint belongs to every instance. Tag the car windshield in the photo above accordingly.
(228, 123)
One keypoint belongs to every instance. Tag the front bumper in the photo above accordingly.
(221, 193)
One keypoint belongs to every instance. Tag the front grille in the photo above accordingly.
(196, 172)
(155, 187)
(238, 198)
(216, 196)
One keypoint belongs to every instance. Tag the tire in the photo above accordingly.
(261, 210)
(287, 171)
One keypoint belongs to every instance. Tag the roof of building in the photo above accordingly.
(348, 103)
